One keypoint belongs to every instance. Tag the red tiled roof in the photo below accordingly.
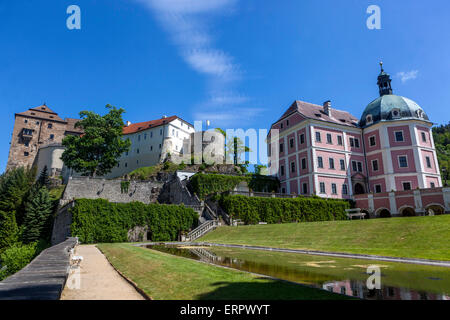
(314, 111)
(140, 126)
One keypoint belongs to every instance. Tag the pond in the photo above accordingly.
(398, 281)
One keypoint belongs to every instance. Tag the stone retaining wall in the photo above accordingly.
(111, 190)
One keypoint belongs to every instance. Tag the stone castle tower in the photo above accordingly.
(34, 129)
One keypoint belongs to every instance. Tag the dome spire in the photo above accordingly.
(384, 82)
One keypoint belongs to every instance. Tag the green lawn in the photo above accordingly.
(413, 237)
(167, 277)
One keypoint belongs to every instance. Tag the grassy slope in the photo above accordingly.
(166, 277)
(415, 237)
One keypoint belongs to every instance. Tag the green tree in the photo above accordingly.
(14, 186)
(38, 215)
(8, 230)
(96, 151)
(44, 179)
(234, 147)
(441, 136)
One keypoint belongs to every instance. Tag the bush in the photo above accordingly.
(204, 184)
(98, 220)
(252, 210)
(18, 256)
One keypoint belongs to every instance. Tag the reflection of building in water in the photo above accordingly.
(359, 289)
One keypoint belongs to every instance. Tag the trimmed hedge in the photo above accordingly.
(99, 220)
(206, 184)
(252, 210)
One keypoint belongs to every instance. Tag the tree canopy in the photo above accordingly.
(97, 150)
(441, 136)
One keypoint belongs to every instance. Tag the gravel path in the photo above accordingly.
(96, 279)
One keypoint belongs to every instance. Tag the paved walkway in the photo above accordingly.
(96, 279)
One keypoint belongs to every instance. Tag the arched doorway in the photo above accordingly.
(359, 189)
(408, 212)
(434, 209)
(384, 213)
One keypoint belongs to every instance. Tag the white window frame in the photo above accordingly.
(369, 119)
(370, 142)
(324, 188)
(424, 136)
(375, 188)
(344, 189)
(320, 162)
(334, 189)
(302, 138)
(403, 185)
(428, 162)
(378, 165)
(339, 140)
(329, 141)
(407, 161)
(306, 164)
(398, 113)
(403, 136)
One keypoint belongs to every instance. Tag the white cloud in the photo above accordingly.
(186, 22)
(409, 75)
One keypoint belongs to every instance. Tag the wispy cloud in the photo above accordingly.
(186, 22)
(409, 75)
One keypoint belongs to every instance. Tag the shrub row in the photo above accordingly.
(17, 256)
(206, 184)
(252, 210)
(102, 221)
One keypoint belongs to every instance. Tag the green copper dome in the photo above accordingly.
(391, 107)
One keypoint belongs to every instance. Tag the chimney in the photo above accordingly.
(128, 123)
(327, 108)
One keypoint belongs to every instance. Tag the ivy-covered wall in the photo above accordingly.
(252, 210)
(98, 220)
(204, 184)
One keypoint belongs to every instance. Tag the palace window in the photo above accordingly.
(305, 188)
(354, 142)
(372, 141)
(406, 186)
(424, 137)
(281, 125)
(403, 162)
(396, 113)
(302, 139)
(399, 136)
(375, 165)
(139, 137)
(282, 170)
(26, 153)
(318, 138)
(281, 148)
(322, 187)
(378, 188)
(339, 140)
(329, 138)
(292, 167)
(344, 189)
(432, 185)
(287, 123)
(52, 136)
(50, 126)
(360, 166)
(331, 162)
(151, 148)
(428, 162)
(304, 164)
(369, 119)
(25, 120)
(291, 143)
(145, 136)
(342, 162)
(137, 150)
(320, 162)
(333, 188)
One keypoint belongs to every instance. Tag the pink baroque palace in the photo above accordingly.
(386, 160)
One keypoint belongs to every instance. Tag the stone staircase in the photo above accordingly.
(201, 230)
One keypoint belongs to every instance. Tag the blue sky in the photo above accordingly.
(238, 63)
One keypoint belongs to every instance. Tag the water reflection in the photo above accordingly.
(339, 275)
